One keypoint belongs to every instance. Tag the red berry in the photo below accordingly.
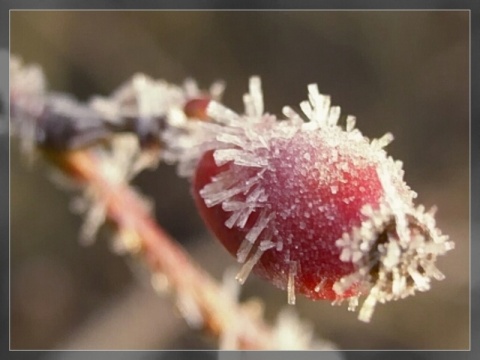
(311, 207)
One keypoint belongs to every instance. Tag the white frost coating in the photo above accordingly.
(189, 309)
(254, 99)
(222, 114)
(94, 219)
(241, 140)
(221, 196)
(292, 273)
(217, 89)
(279, 245)
(393, 255)
(292, 333)
(233, 205)
(383, 141)
(393, 249)
(238, 157)
(292, 115)
(223, 156)
(404, 265)
(27, 101)
(248, 266)
(260, 225)
(243, 251)
(231, 139)
(333, 115)
(368, 306)
(233, 218)
(266, 244)
(351, 120)
(186, 140)
(244, 215)
(160, 282)
(353, 303)
(257, 195)
(320, 285)
(140, 97)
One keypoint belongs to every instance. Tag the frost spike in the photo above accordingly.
(248, 266)
(292, 272)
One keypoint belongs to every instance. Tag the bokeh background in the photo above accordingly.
(404, 72)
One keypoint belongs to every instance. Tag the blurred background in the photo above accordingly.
(400, 72)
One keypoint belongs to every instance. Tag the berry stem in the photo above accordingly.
(125, 210)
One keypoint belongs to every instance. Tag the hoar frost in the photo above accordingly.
(319, 209)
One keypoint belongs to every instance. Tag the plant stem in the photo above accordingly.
(221, 314)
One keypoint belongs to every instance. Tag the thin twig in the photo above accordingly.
(102, 144)
(128, 213)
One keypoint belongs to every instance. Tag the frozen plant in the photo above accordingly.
(313, 207)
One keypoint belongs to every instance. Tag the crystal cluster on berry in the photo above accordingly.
(313, 207)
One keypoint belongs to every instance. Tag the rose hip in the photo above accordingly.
(312, 207)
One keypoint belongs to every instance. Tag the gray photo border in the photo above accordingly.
(472, 5)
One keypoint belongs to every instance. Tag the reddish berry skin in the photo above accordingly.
(316, 193)
(196, 108)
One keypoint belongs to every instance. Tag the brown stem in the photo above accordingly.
(124, 208)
